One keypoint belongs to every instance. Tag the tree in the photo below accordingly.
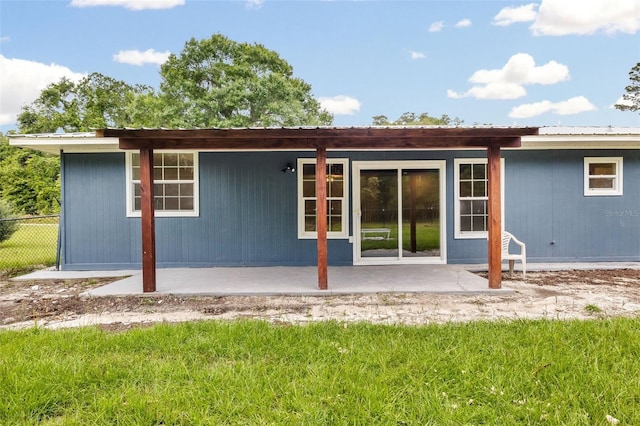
(29, 180)
(97, 101)
(7, 226)
(411, 119)
(218, 82)
(632, 97)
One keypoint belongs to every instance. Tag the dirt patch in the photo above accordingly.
(555, 295)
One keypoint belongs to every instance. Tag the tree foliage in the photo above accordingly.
(29, 180)
(632, 95)
(218, 82)
(7, 227)
(96, 101)
(413, 119)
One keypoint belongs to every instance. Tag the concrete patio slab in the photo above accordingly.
(303, 281)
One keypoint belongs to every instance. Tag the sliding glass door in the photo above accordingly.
(399, 212)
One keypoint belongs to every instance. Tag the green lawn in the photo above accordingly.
(32, 245)
(427, 236)
(255, 373)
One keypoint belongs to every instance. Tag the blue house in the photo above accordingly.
(571, 194)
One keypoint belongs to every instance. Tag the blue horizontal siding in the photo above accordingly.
(248, 211)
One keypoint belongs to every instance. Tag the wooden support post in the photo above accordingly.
(148, 221)
(495, 217)
(321, 215)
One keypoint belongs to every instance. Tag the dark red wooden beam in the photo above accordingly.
(321, 216)
(148, 221)
(495, 218)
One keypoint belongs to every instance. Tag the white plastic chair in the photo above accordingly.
(512, 257)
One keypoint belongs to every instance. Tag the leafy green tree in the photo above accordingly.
(29, 180)
(218, 82)
(412, 119)
(7, 227)
(97, 101)
(632, 94)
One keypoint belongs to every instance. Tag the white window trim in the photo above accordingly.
(458, 234)
(161, 213)
(617, 190)
(344, 234)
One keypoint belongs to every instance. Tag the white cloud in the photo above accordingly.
(340, 105)
(253, 4)
(463, 23)
(130, 4)
(21, 82)
(621, 101)
(417, 55)
(5, 39)
(436, 27)
(512, 15)
(136, 57)
(563, 17)
(571, 106)
(508, 82)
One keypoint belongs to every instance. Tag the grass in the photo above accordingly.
(33, 245)
(255, 373)
(427, 236)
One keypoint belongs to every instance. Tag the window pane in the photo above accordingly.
(479, 188)
(310, 207)
(171, 203)
(157, 173)
(335, 188)
(171, 160)
(602, 183)
(479, 207)
(479, 223)
(157, 160)
(158, 190)
(171, 190)
(465, 223)
(186, 159)
(479, 171)
(310, 223)
(465, 207)
(186, 173)
(159, 205)
(465, 171)
(602, 169)
(186, 203)
(309, 171)
(334, 207)
(171, 173)
(136, 190)
(186, 189)
(309, 188)
(465, 189)
(137, 203)
(135, 159)
(135, 173)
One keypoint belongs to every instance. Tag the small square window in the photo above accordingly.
(602, 176)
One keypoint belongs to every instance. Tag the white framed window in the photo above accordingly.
(471, 198)
(602, 176)
(175, 178)
(337, 198)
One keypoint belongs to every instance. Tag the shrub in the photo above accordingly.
(7, 227)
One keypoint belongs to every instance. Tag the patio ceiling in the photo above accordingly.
(410, 137)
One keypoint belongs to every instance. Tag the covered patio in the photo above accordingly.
(302, 281)
(319, 139)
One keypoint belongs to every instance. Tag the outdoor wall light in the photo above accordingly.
(289, 168)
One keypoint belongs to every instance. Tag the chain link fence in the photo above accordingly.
(32, 245)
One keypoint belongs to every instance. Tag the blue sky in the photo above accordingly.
(540, 63)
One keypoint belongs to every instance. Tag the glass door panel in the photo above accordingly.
(420, 213)
(379, 213)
